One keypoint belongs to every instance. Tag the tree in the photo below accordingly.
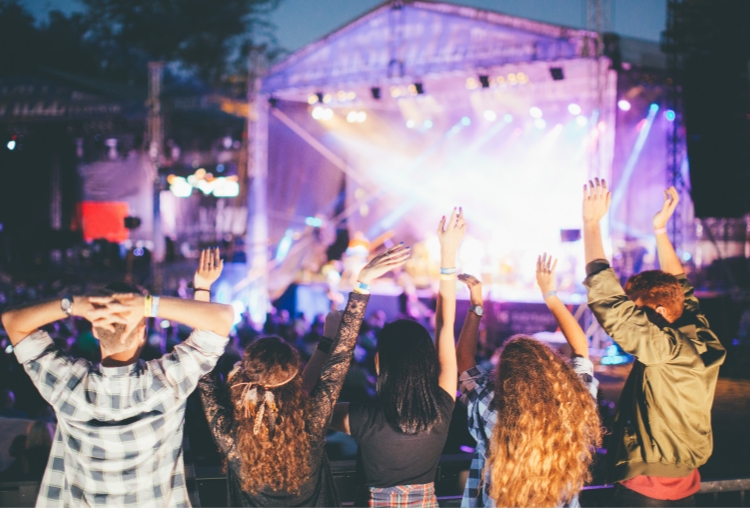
(205, 38)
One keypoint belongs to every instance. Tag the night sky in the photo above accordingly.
(301, 22)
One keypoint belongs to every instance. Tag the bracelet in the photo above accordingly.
(448, 271)
(147, 307)
(358, 290)
(447, 277)
(154, 306)
(659, 231)
(550, 294)
(363, 286)
(191, 286)
(325, 344)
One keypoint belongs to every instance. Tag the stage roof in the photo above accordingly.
(409, 40)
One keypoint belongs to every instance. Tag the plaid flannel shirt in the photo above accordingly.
(477, 392)
(120, 430)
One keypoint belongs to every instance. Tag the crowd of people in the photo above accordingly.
(120, 389)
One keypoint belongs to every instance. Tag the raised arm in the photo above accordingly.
(20, 322)
(218, 410)
(450, 234)
(668, 260)
(466, 349)
(209, 270)
(596, 199)
(326, 391)
(214, 317)
(311, 374)
(545, 277)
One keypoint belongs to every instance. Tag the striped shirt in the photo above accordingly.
(477, 392)
(120, 430)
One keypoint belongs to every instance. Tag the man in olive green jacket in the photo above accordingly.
(662, 430)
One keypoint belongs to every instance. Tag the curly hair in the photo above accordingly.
(547, 428)
(277, 456)
(655, 288)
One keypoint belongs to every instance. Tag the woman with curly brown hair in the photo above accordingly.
(537, 425)
(270, 431)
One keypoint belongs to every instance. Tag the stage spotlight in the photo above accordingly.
(351, 117)
(375, 91)
(351, 95)
(522, 78)
(465, 121)
(361, 116)
(574, 109)
(582, 121)
(512, 78)
(557, 73)
(312, 99)
(535, 112)
(327, 98)
(540, 123)
(471, 83)
(490, 115)
(507, 118)
(11, 145)
(653, 107)
(484, 80)
(670, 115)
(327, 114)
(623, 105)
(341, 95)
(319, 112)
(410, 124)
(319, 95)
(419, 88)
(427, 124)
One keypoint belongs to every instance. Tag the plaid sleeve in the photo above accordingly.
(54, 374)
(584, 368)
(190, 360)
(477, 391)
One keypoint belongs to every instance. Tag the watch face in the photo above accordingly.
(66, 305)
(479, 311)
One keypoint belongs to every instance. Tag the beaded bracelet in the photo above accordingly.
(550, 294)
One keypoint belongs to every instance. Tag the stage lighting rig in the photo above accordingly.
(484, 80)
(419, 88)
(557, 73)
(375, 91)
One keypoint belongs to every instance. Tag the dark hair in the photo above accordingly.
(121, 287)
(656, 288)
(408, 382)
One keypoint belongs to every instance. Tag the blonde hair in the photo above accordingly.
(547, 428)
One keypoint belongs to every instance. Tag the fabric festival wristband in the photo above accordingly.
(325, 344)
(550, 294)
(447, 277)
(447, 271)
(363, 286)
(154, 306)
(147, 306)
(658, 231)
(358, 290)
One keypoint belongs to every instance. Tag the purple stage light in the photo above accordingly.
(535, 112)
(670, 115)
(574, 109)
(623, 105)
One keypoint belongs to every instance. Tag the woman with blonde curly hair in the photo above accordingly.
(269, 429)
(537, 425)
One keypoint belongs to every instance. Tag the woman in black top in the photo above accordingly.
(402, 436)
(271, 433)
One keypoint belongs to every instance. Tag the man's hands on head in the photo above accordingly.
(209, 270)
(671, 199)
(384, 263)
(596, 199)
(545, 273)
(475, 288)
(127, 309)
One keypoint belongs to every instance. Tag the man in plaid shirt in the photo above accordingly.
(120, 425)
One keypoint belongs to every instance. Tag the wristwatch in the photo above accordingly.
(477, 309)
(67, 305)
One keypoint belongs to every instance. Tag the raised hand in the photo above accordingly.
(209, 268)
(671, 199)
(475, 288)
(452, 232)
(384, 263)
(596, 199)
(545, 273)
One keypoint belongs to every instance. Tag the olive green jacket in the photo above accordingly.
(663, 420)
